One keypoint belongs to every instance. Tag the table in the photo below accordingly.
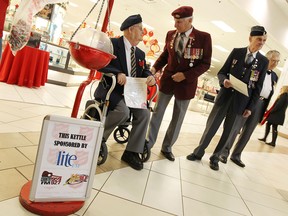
(29, 67)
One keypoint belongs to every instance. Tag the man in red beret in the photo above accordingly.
(186, 55)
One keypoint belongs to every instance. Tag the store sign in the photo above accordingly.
(66, 159)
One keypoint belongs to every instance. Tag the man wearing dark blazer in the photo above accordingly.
(249, 66)
(123, 66)
(186, 55)
(257, 114)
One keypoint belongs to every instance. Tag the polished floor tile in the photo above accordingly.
(164, 192)
(11, 182)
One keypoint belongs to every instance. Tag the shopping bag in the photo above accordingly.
(152, 90)
(266, 115)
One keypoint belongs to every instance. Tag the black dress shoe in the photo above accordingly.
(192, 157)
(132, 159)
(262, 139)
(214, 165)
(223, 159)
(168, 155)
(238, 162)
(271, 144)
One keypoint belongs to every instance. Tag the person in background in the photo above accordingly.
(249, 66)
(3, 7)
(276, 116)
(186, 55)
(130, 61)
(250, 123)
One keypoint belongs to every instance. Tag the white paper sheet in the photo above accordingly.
(135, 93)
(238, 85)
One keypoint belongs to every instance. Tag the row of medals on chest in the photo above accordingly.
(196, 53)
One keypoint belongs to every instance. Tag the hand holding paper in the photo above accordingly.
(238, 85)
(135, 93)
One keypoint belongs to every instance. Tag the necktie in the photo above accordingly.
(180, 47)
(269, 72)
(249, 59)
(133, 62)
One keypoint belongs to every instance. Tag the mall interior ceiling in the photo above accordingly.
(240, 15)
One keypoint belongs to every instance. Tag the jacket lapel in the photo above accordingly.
(122, 55)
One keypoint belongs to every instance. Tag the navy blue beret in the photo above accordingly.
(130, 21)
(258, 31)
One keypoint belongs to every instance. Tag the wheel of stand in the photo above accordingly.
(121, 134)
(103, 153)
(146, 153)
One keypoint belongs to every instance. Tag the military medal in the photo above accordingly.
(187, 51)
(173, 40)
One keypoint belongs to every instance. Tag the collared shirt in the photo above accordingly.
(267, 86)
(253, 54)
(128, 46)
(187, 33)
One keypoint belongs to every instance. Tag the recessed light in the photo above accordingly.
(221, 48)
(223, 26)
(215, 60)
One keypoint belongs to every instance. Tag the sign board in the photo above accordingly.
(66, 159)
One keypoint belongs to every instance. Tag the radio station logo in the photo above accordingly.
(48, 178)
(76, 179)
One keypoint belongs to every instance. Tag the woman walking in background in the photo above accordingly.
(276, 116)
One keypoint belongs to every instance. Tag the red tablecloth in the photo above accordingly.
(29, 67)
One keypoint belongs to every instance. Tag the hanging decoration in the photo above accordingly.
(22, 22)
(150, 42)
(111, 34)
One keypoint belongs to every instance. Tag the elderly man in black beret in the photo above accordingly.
(250, 123)
(248, 65)
(186, 55)
(130, 61)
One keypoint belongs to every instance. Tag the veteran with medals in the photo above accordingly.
(249, 66)
(186, 55)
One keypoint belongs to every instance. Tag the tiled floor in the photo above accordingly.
(162, 187)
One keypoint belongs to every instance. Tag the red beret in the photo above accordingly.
(182, 12)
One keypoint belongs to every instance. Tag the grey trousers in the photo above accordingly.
(172, 133)
(248, 125)
(217, 115)
(140, 120)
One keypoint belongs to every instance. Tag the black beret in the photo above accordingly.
(130, 21)
(258, 31)
(182, 12)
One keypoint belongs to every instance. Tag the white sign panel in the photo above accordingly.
(238, 85)
(135, 92)
(66, 159)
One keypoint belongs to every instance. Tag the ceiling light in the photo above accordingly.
(221, 48)
(262, 52)
(73, 4)
(215, 60)
(115, 23)
(94, 1)
(223, 26)
(280, 68)
(72, 24)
